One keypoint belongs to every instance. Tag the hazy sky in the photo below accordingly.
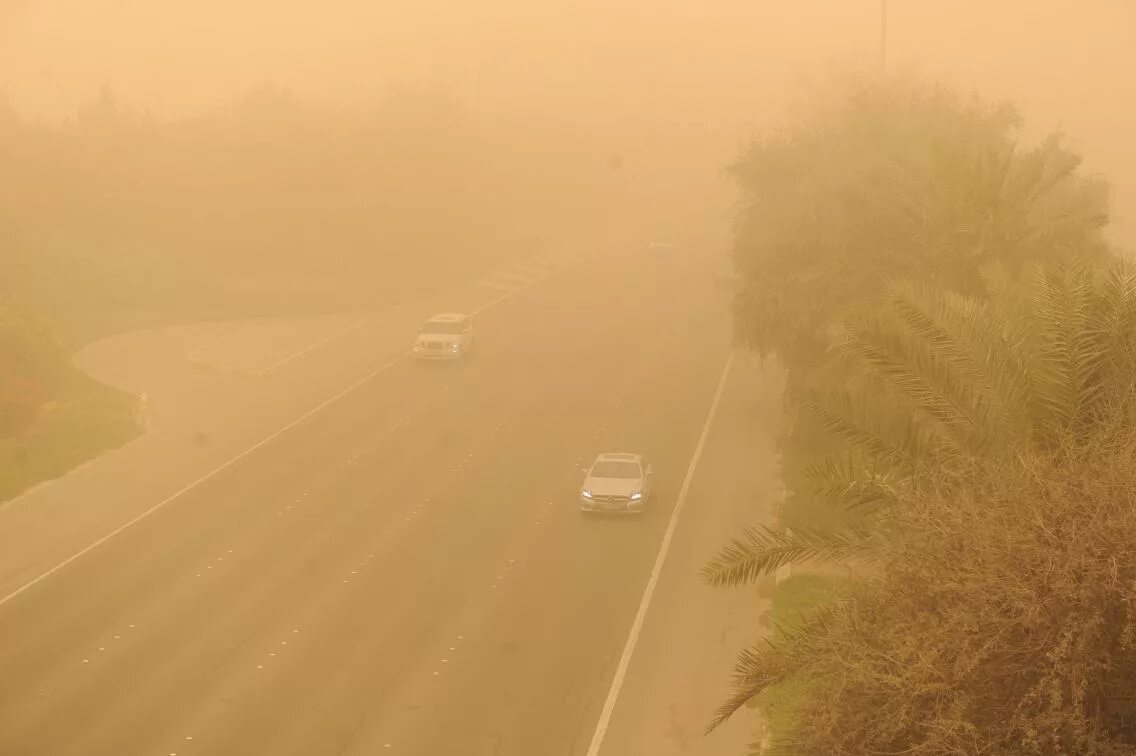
(714, 66)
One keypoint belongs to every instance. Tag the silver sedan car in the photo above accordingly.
(617, 483)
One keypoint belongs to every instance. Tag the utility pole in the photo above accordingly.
(883, 37)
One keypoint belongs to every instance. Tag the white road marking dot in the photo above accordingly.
(283, 643)
(461, 637)
(198, 575)
(452, 648)
(101, 648)
(347, 581)
(189, 737)
(230, 551)
(353, 572)
(86, 661)
(435, 673)
(295, 631)
(130, 625)
(272, 653)
(208, 566)
(260, 666)
(117, 637)
(445, 661)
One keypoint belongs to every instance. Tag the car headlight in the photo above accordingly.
(637, 496)
(586, 493)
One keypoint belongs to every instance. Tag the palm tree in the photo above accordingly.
(934, 381)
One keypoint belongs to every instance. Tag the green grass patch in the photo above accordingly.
(797, 596)
(86, 419)
(793, 599)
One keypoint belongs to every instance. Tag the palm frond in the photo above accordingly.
(761, 550)
(873, 423)
(1116, 313)
(900, 360)
(768, 663)
(1069, 350)
(750, 681)
(850, 486)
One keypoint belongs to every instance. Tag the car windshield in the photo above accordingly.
(608, 469)
(438, 326)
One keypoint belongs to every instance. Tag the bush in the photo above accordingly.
(1002, 620)
(31, 367)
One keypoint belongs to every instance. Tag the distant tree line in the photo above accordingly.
(114, 209)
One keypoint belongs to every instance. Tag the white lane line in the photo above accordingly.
(517, 277)
(204, 478)
(649, 592)
(493, 285)
(214, 340)
(351, 388)
(314, 345)
(533, 268)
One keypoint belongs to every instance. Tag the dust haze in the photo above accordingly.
(330, 332)
(658, 81)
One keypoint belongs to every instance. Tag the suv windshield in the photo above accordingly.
(616, 470)
(447, 327)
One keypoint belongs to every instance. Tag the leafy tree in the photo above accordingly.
(895, 180)
(944, 390)
(877, 249)
(937, 381)
(1000, 619)
(31, 367)
(898, 180)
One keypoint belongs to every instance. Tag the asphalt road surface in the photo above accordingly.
(405, 572)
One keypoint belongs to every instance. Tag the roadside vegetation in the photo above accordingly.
(960, 343)
(52, 417)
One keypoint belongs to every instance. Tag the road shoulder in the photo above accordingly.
(692, 634)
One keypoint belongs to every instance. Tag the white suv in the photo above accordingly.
(617, 483)
(447, 336)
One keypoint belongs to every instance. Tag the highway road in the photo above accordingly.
(403, 572)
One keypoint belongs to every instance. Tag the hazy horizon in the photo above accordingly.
(707, 76)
